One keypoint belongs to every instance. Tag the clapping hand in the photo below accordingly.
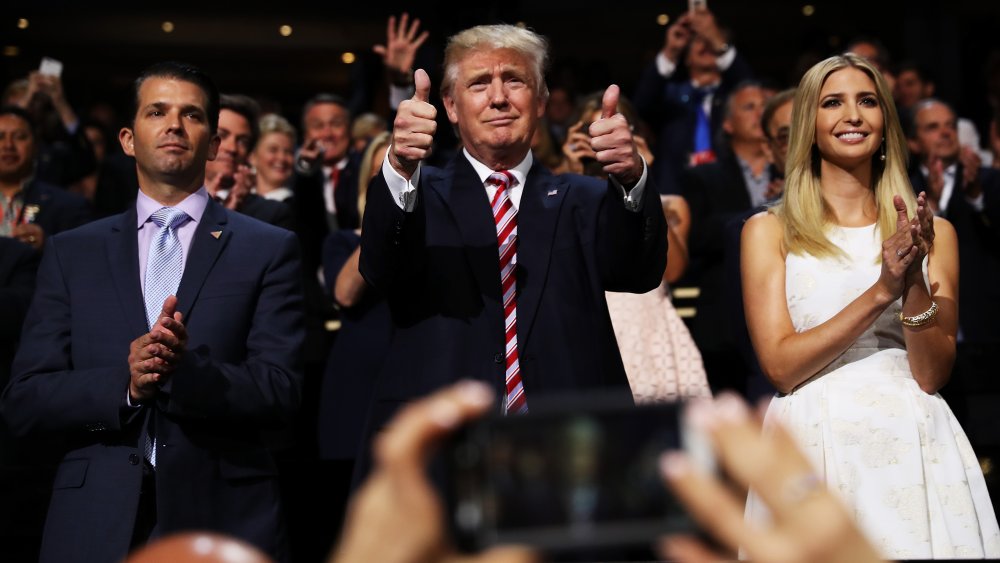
(154, 356)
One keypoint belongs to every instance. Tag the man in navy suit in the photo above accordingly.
(681, 95)
(968, 195)
(440, 250)
(162, 403)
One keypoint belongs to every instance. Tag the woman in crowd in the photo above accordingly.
(273, 157)
(851, 304)
(661, 360)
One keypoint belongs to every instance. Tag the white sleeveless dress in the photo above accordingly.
(896, 455)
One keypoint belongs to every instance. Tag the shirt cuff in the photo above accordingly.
(633, 197)
(128, 401)
(725, 60)
(404, 192)
(976, 202)
(399, 93)
(665, 66)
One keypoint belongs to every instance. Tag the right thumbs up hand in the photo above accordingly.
(413, 129)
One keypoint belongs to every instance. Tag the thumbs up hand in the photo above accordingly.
(611, 139)
(413, 129)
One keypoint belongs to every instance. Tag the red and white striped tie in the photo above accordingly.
(505, 217)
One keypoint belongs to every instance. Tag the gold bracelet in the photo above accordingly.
(921, 319)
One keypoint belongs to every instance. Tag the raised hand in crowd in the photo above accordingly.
(400, 49)
(677, 38)
(49, 87)
(243, 181)
(413, 129)
(809, 523)
(971, 162)
(703, 24)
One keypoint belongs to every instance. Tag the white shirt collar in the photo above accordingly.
(520, 172)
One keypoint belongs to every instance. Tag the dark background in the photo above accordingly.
(105, 44)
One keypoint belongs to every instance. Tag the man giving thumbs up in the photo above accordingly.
(495, 269)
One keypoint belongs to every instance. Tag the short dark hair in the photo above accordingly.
(248, 108)
(324, 98)
(772, 105)
(180, 71)
(22, 114)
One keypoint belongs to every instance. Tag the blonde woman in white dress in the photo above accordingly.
(850, 288)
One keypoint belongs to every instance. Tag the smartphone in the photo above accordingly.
(50, 67)
(694, 5)
(583, 475)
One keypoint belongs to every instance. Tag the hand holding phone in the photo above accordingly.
(50, 67)
(581, 475)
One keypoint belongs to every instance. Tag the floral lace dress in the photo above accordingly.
(661, 360)
(896, 455)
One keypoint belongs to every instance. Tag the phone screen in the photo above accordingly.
(587, 477)
(50, 67)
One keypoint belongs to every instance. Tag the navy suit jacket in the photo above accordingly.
(439, 268)
(58, 209)
(241, 300)
(717, 194)
(669, 106)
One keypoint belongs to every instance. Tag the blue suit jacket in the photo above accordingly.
(439, 268)
(241, 300)
(669, 106)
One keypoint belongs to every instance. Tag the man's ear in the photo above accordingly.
(727, 126)
(127, 140)
(213, 146)
(449, 107)
(914, 146)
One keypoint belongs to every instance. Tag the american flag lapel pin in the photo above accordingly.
(553, 192)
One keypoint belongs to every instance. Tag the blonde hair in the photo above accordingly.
(531, 45)
(274, 123)
(805, 215)
(378, 141)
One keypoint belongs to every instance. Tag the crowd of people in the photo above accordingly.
(219, 324)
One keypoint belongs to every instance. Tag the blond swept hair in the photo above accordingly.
(529, 44)
(274, 123)
(805, 215)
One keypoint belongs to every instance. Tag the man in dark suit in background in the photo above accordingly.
(681, 95)
(161, 344)
(509, 292)
(719, 192)
(968, 195)
(31, 209)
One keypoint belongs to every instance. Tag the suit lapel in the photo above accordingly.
(465, 198)
(123, 262)
(210, 237)
(537, 217)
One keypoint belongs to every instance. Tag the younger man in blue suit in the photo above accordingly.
(160, 345)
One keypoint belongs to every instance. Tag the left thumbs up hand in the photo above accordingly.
(611, 139)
